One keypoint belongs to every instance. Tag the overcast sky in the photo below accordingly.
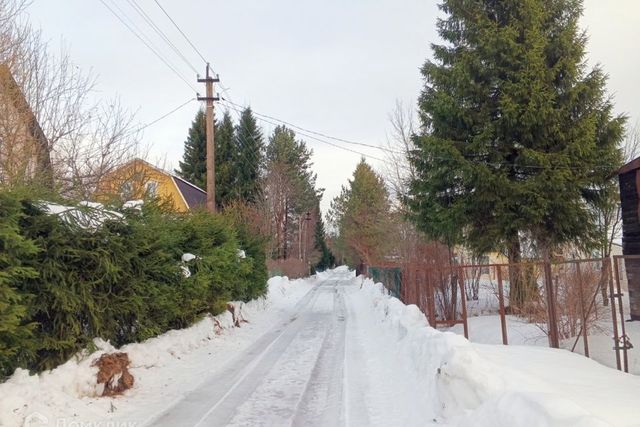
(331, 66)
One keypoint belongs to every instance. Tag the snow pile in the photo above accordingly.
(69, 393)
(466, 384)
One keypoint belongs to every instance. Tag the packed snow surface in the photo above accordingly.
(332, 349)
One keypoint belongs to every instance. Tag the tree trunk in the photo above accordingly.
(551, 296)
(284, 231)
(522, 287)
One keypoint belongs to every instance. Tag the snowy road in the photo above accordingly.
(295, 374)
(328, 350)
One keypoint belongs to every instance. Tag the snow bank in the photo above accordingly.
(467, 384)
(69, 393)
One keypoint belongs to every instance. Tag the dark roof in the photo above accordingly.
(632, 165)
(194, 196)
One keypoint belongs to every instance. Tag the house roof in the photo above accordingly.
(194, 196)
(632, 165)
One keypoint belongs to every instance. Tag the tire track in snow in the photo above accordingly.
(218, 399)
(322, 402)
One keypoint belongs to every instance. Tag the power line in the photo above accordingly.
(148, 45)
(180, 30)
(261, 118)
(134, 4)
(270, 119)
(346, 141)
(164, 116)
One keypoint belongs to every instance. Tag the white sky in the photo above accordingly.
(333, 66)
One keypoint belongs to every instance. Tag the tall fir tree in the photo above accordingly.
(517, 134)
(361, 214)
(289, 186)
(249, 158)
(225, 166)
(193, 167)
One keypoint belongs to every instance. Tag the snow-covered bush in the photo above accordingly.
(120, 280)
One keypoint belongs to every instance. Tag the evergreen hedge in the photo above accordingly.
(63, 284)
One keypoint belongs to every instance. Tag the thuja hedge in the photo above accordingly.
(62, 284)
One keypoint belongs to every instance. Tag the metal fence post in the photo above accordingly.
(619, 295)
(614, 317)
(503, 320)
(583, 314)
(463, 300)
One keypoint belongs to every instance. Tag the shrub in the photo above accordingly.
(63, 283)
(17, 342)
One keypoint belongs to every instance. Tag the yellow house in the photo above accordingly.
(138, 178)
(24, 149)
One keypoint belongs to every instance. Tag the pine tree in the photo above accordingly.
(517, 136)
(249, 160)
(193, 166)
(361, 215)
(289, 186)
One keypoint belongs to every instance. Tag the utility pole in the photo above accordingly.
(211, 153)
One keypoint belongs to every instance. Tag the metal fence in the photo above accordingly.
(390, 277)
(567, 300)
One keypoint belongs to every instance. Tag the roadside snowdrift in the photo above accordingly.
(70, 393)
(467, 384)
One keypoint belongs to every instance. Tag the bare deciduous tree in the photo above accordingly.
(398, 170)
(83, 139)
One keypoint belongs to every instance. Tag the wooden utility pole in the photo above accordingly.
(211, 148)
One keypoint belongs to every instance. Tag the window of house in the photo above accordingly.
(151, 188)
(126, 190)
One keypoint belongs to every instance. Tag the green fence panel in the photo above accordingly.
(390, 277)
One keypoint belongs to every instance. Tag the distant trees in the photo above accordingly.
(276, 180)
(239, 157)
(361, 217)
(327, 259)
(289, 190)
(517, 137)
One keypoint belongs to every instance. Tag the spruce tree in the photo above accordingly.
(225, 167)
(362, 214)
(517, 135)
(249, 158)
(193, 166)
